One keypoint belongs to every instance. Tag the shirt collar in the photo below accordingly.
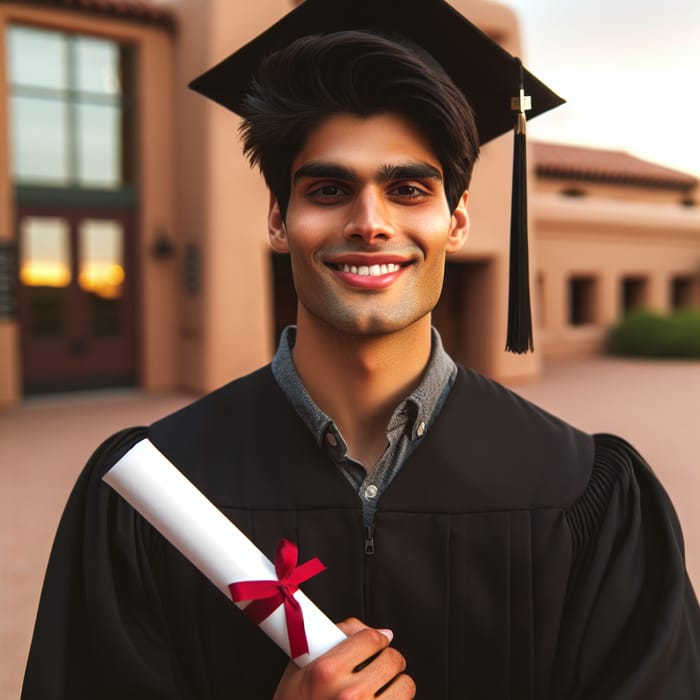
(414, 412)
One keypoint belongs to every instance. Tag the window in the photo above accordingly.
(70, 109)
(634, 293)
(582, 300)
(684, 291)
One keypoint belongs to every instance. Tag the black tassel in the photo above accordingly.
(519, 337)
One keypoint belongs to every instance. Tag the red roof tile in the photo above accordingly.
(598, 165)
(136, 10)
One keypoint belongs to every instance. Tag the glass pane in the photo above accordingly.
(99, 145)
(44, 252)
(39, 141)
(45, 269)
(101, 273)
(97, 66)
(37, 57)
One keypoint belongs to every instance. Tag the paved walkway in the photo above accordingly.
(44, 443)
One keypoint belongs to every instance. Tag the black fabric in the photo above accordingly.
(515, 557)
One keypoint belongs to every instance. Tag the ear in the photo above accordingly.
(459, 225)
(276, 229)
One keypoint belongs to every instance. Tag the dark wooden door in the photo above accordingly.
(76, 298)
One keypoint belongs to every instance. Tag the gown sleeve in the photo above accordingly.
(631, 625)
(100, 631)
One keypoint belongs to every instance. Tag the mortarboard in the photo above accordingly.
(493, 81)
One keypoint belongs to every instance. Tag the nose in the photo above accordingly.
(370, 218)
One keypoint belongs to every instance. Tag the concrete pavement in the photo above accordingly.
(44, 443)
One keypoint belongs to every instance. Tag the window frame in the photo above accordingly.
(30, 192)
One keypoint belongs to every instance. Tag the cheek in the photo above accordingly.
(437, 274)
(309, 280)
(435, 241)
(306, 233)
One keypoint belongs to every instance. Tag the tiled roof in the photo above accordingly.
(597, 165)
(135, 10)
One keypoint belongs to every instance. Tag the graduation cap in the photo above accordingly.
(496, 86)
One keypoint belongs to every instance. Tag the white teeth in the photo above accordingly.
(370, 270)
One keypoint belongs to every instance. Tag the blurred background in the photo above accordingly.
(627, 70)
(135, 271)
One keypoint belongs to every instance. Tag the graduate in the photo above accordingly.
(476, 546)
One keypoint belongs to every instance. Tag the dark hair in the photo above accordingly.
(357, 73)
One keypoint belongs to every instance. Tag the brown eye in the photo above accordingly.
(327, 192)
(408, 191)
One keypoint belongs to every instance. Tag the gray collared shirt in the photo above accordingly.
(407, 426)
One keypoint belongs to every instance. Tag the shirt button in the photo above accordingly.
(420, 429)
(371, 492)
(330, 439)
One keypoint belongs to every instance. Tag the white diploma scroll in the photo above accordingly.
(155, 488)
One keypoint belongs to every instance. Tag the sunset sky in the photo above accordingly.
(629, 70)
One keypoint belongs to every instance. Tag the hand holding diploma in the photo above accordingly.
(328, 663)
(362, 666)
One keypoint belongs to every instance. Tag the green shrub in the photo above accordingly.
(649, 334)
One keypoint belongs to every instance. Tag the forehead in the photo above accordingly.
(370, 141)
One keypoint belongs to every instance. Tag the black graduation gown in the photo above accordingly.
(515, 557)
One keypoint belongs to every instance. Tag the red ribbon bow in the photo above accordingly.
(267, 596)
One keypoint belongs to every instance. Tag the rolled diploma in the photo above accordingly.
(155, 488)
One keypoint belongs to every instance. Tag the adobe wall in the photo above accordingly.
(9, 328)
(226, 322)
(158, 312)
(608, 241)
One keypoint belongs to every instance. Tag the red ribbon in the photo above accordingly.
(267, 596)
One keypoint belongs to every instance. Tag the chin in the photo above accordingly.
(366, 320)
(372, 326)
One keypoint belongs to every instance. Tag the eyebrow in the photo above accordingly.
(386, 173)
(322, 169)
(409, 171)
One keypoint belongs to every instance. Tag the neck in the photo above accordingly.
(358, 380)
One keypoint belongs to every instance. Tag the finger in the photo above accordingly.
(353, 625)
(358, 647)
(385, 666)
(402, 687)
(366, 662)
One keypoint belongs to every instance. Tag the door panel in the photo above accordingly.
(45, 274)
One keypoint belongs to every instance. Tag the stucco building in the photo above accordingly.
(133, 237)
(611, 233)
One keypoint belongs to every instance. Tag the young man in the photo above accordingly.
(505, 553)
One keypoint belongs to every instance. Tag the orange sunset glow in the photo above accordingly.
(100, 278)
